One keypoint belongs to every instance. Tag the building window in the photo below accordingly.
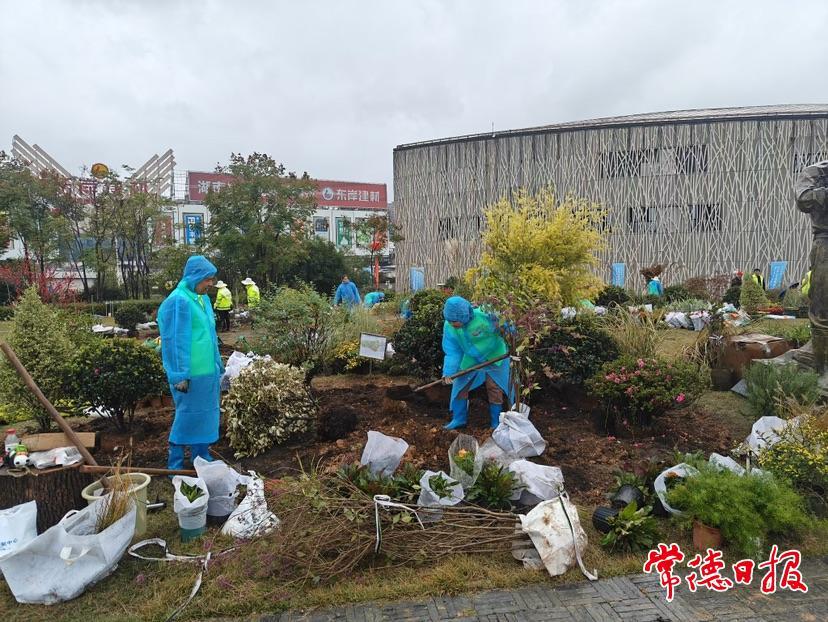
(343, 232)
(656, 161)
(626, 163)
(642, 219)
(321, 225)
(801, 160)
(691, 159)
(705, 217)
(460, 227)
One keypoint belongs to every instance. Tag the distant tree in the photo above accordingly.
(257, 222)
(322, 267)
(374, 233)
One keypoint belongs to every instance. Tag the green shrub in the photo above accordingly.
(801, 458)
(572, 352)
(612, 294)
(6, 313)
(418, 344)
(268, 404)
(632, 530)
(770, 385)
(640, 389)
(494, 487)
(674, 293)
(298, 326)
(798, 333)
(752, 297)
(116, 374)
(128, 315)
(688, 305)
(40, 337)
(747, 509)
(794, 299)
(733, 295)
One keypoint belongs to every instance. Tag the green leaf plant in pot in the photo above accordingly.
(631, 530)
(747, 511)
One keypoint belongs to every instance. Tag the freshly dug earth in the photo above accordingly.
(350, 406)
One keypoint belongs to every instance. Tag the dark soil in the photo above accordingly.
(576, 441)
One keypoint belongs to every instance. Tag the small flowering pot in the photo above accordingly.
(705, 537)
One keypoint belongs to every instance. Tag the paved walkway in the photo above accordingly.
(638, 598)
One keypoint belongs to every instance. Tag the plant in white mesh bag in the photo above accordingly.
(268, 403)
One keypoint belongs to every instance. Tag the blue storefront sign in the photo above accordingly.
(193, 228)
(777, 273)
(417, 279)
(619, 274)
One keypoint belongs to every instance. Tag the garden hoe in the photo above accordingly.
(405, 393)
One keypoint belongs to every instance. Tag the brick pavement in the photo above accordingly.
(637, 598)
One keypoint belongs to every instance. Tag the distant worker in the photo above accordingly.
(756, 277)
(736, 281)
(372, 298)
(253, 295)
(223, 304)
(806, 284)
(792, 289)
(654, 287)
(347, 293)
(189, 352)
(471, 336)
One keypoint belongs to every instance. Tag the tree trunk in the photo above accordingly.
(56, 491)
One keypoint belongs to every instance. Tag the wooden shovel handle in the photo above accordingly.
(463, 372)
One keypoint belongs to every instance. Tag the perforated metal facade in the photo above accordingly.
(705, 191)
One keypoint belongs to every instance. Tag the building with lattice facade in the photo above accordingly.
(703, 191)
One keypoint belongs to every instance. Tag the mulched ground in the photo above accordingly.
(577, 442)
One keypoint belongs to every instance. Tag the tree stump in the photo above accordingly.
(56, 491)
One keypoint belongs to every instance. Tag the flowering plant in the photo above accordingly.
(643, 388)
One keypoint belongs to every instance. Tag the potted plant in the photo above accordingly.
(631, 530)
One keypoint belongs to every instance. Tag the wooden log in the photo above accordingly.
(56, 491)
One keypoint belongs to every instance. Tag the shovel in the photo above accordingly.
(402, 393)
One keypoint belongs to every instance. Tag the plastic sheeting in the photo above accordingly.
(382, 454)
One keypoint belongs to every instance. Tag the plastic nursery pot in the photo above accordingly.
(705, 537)
(601, 517)
(658, 507)
(722, 379)
(626, 495)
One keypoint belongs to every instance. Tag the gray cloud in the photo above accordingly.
(331, 87)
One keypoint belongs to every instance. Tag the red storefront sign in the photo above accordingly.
(328, 193)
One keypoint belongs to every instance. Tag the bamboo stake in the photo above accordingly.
(53, 413)
(148, 470)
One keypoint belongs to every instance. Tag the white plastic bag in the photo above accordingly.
(492, 451)
(60, 456)
(382, 454)
(660, 484)
(568, 313)
(538, 482)
(469, 444)
(429, 498)
(765, 433)
(677, 319)
(700, 319)
(516, 435)
(222, 483)
(64, 560)
(18, 525)
(191, 514)
(548, 527)
(725, 462)
(251, 518)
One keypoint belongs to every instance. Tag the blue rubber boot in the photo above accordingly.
(201, 450)
(175, 460)
(459, 417)
(494, 413)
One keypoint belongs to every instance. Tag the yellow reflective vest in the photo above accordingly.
(224, 300)
(806, 284)
(253, 296)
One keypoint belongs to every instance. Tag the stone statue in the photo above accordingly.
(811, 190)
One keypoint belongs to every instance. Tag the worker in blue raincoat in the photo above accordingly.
(347, 293)
(189, 351)
(471, 336)
(372, 298)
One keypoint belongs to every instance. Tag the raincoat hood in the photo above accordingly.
(458, 309)
(197, 268)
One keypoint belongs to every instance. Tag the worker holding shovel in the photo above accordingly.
(471, 337)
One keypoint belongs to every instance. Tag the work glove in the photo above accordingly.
(182, 386)
(447, 380)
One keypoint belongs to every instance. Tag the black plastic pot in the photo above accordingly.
(658, 507)
(601, 517)
(626, 495)
(722, 379)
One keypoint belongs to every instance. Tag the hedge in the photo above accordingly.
(92, 308)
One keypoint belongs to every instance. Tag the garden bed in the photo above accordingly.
(587, 456)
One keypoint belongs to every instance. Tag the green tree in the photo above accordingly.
(373, 234)
(323, 266)
(257, 222)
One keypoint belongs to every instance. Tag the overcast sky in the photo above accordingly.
(330, 87)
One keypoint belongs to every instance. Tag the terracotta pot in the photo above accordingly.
(705, 537)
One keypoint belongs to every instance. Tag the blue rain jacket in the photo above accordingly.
(347, 293)
(372, 298)
(478, 340)
(655, 288)
(189, 351)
